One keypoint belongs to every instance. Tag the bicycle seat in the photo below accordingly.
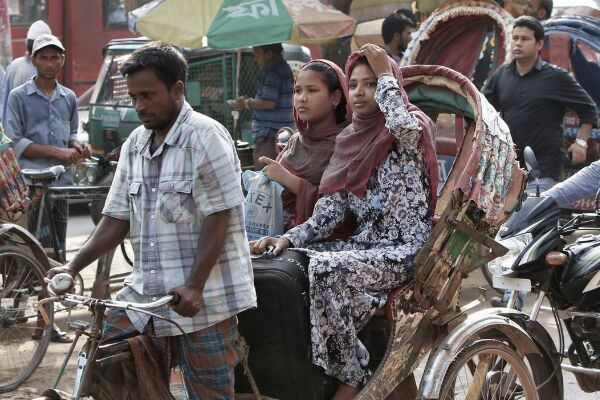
(41, 174)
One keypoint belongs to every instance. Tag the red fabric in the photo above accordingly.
(365, 143)
(449, 41)
(307, 153)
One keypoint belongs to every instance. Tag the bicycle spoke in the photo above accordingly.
(21, 287)
(489, 370)
(479, 377)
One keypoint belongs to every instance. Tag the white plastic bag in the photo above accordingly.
(263, 208)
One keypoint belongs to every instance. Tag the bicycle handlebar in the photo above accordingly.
(61, 283)
(117, 304)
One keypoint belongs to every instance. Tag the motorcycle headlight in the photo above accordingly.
(515, 246)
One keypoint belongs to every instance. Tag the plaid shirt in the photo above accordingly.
(166, 196)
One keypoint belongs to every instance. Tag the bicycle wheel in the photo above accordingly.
(21, 286)
(127, 252)
(500, 373)
(78, 285)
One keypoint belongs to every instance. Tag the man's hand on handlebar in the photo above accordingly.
(261, 245)
(190, 300)
(60, 270)
(84, 149)
(69, 156)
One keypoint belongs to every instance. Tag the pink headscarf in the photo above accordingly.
(367, 141)
(307, 152)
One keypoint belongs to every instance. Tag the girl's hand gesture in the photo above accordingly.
(274, 170)
(277, 173)
(378, 59)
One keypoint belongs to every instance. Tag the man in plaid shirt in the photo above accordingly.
(177, 193)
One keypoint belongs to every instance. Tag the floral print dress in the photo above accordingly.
(351, 278)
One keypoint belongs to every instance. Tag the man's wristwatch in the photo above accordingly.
(582, 143)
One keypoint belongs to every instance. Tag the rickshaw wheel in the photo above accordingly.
(488, 369)
(23, 337)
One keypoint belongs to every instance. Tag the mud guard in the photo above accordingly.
(544, 341)
(17, 233)
(476, 326)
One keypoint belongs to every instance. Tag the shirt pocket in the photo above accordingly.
(135, 195)
(176, 202)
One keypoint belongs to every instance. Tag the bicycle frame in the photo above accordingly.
(88, 356)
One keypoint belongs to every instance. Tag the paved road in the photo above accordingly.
(80, 226)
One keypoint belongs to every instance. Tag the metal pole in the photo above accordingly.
(535, 310)
(101, 288)
(236, 114)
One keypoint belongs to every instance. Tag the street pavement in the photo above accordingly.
(79, 228)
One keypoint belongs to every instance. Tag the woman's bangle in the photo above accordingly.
(385, 74)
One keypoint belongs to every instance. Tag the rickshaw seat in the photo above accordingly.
(445, 145)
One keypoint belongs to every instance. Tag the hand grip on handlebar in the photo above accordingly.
(176, 298)
(61, 283)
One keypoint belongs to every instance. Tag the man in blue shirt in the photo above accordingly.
(581, 185)
(21, 69)
(41, 119)
(272, 106)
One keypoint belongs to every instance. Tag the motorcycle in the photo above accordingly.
(568, 275)
(534, 217)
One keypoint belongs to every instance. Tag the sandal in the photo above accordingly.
(57, 337)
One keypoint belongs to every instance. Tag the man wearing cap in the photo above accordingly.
(21, 69)
(41, 118)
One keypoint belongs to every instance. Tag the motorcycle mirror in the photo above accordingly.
(531, 162)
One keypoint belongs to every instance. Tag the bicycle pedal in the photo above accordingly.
(78, 325)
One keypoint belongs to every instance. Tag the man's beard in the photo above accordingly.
(401, 47)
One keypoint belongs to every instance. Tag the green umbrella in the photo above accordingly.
(257, 22)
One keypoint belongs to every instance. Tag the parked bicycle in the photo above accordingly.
(22, 272)
(24, 339)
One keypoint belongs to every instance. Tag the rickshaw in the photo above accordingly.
(423, 316)
(471, 37)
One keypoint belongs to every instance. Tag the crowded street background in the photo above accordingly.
(156, 148)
